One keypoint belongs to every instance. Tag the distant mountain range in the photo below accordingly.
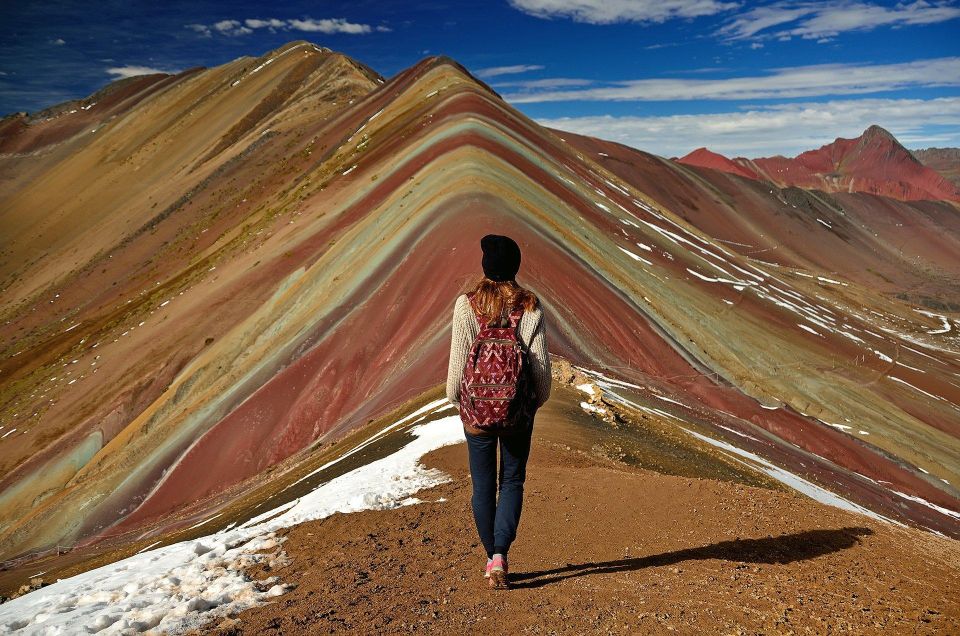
(946, 161)
(875, 162)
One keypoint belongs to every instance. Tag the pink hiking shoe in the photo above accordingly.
(497, 572)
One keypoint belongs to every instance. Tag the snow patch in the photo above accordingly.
(666, 399)
(183, 585)
(944, 511)
(736, 432)
(896, 379)
(842, 427)
(607, 379)
(824, 279)
(792, 480)
(944, 326)
(590, 408)
(634, 256)
(806, 328)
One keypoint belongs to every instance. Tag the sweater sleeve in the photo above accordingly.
(460, 342)
(540, 361)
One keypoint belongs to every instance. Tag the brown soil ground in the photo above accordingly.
(608, 548)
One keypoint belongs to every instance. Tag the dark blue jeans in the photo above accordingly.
(497, 521)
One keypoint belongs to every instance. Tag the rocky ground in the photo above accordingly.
(604, 547)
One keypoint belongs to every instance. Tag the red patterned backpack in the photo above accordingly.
(495, 387)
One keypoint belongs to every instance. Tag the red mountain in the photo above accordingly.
(875, 162)
(708, 159)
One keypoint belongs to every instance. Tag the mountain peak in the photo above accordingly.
(297, 43)
(450, 65)
(706, 158)
(877, 132)
(875, 139)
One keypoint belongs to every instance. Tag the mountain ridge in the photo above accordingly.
(875, 162)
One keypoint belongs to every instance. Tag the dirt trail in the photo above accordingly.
(608, 548)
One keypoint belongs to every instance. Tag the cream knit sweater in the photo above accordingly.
(532, 331)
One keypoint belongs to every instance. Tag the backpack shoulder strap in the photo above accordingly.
(515, 316)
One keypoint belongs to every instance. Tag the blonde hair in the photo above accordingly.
(493, 298)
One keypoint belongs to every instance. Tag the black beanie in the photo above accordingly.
(501, 257)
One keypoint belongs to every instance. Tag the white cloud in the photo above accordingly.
(231, 27)
(132, 71)
(791, 82)
(272, 23)
(823, 20)
(786, 129)
(313, 25)
(329, 25)
(612, 11)
(662, 45)
(58, 42)
(551, 82)
(493, 71)
(202, 29)
(759, 19)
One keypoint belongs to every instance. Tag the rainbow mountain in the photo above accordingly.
(208, 276)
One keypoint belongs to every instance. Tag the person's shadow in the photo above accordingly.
(783, 549)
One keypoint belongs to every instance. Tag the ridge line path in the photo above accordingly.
(605, 547)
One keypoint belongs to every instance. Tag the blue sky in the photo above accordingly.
(667, 76)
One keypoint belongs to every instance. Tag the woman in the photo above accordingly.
(495, 295)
